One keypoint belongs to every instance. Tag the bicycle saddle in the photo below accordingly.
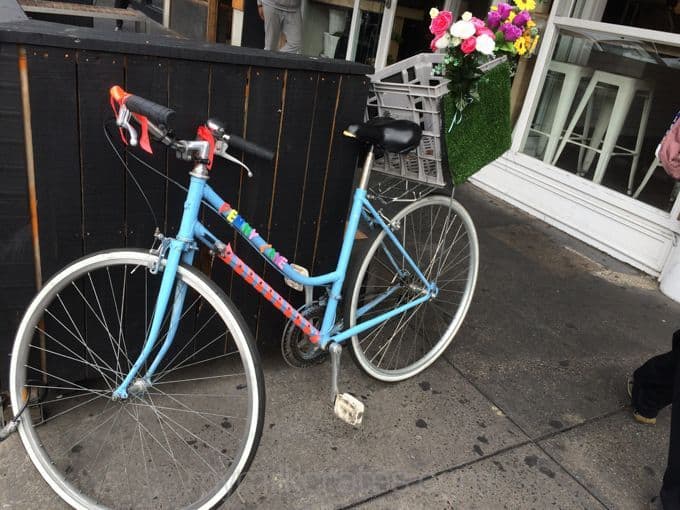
(392, 135)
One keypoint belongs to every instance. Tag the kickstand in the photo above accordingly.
(346, 407)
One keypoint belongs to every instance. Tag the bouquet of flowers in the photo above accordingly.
(471, 42)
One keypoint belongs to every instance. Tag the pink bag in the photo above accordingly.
(669, 150)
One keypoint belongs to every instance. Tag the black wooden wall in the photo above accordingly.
(85, 200)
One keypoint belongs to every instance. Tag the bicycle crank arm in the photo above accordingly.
(345, 406)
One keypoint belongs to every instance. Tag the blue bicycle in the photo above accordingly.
(135, 378)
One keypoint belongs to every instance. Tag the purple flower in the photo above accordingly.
(504, 10)
(521, 19)
(493, 19)
(511, 32)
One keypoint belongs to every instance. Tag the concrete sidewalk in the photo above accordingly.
(527, 409)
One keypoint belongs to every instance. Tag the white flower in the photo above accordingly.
(443, 42)
(463, 29)
(485, 44)
(455, 41)
(434, 12)
(467, 16)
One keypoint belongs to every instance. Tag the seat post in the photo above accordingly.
(366, 171)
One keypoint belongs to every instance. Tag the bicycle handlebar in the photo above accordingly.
(156, 113)
(251, 148)
(156, 119)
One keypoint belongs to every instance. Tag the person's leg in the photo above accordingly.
(292, 29)
(272, 28)
(653, 385)
(670, 490)
(653, 382)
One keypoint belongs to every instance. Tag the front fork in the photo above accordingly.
(178, 251)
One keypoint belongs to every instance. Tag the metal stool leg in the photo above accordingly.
(640, 138)
(620, 109)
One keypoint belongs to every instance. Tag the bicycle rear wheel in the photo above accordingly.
(439, 235)
(186, 440)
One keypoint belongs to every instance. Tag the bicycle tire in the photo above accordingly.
(143, 468)
(415, 226)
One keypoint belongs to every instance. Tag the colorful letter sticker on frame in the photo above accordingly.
(233, 217)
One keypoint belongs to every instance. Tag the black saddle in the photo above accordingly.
(392, 135)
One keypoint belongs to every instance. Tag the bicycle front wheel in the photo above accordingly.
(185, 439)
(438, 234)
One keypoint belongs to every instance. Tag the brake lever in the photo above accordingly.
(221, 150)
(123, 122)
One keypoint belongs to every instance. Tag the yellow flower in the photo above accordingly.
(494, 8)
(531, 23)
(521, 46)
(526, 5)
(511, 16)
(534, 44)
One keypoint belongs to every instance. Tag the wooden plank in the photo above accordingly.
(211, 21)
(52, 74)
(161, 45)
(17, 280)
(298, 117)
(148, 78)
(81, 10)
(188, 96)
(103, 178)
(227, 104)
(339, 180)
(262, 127)
(317, 161)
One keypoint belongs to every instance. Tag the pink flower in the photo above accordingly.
(441, 23)
(504, 10)
(468, 45)
(486, 31)
(479, 24)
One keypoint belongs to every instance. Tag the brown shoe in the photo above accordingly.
(643, 419)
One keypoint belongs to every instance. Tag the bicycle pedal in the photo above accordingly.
(349, 409)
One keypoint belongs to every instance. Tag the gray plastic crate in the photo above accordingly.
(408, 90)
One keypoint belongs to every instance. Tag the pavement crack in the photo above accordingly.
(536, 441)
(425, 478)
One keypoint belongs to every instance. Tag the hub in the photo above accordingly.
(138, 387)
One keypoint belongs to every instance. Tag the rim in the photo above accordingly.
(20, 356)
(369, 352)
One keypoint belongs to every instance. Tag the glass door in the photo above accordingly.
(370, 31)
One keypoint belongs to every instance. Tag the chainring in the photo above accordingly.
(298, 351)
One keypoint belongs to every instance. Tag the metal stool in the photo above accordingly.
(609, 123)
(573, 74)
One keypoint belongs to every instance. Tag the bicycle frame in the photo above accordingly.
(183, 247)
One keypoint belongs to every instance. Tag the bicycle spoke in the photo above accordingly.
(439, 236)
(178, 441)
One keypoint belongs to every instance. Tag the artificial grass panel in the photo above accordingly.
(485, 132)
